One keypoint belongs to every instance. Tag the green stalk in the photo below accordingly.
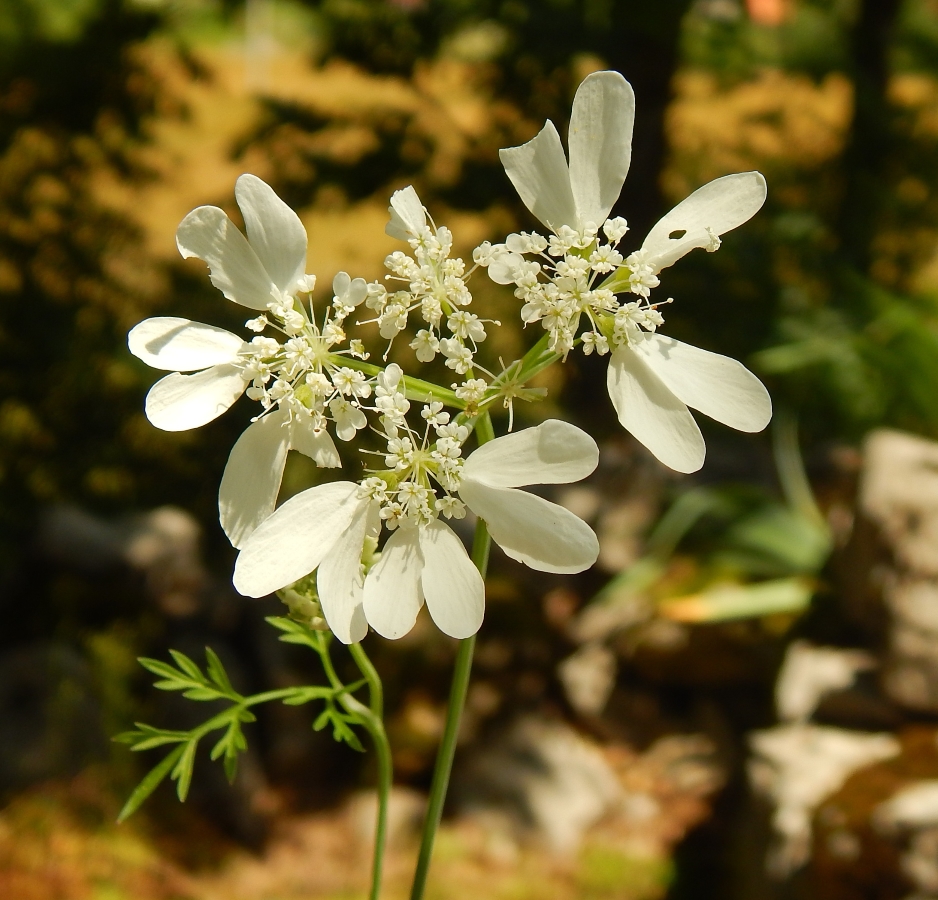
(538, 358)
(373, 722)
(415, 389)
(375, 689)
(371, 718)
(457, 700)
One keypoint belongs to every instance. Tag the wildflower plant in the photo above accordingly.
(367, 549)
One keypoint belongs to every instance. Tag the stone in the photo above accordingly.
(890, 566)
(588, 677)
(164, 545)
(795, 768)
(543, 779)
(810, 672)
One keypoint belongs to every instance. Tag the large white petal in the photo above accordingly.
(408, 216)
(296, 538)
(718, 386)
(178, 345)
(650, 411)
(180, 402)
(392, 589)
(340, 582)
(600, 141)
(532, 530)
(554, 452)
(721, 205)
(317, 445)
(452, 585)
(276, 233)
(251, 481)
(235, 268)
(538, 170)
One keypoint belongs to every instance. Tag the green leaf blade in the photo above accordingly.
(149, 784)
(187, 666)
(217, 674)
(182, 773)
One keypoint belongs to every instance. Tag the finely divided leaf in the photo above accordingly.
(187, 666)
(182, 773)
(295, 632)
(216, 671)
(149, 784)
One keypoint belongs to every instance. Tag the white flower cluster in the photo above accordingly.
(306, 374)
(570, 279)
(301, 381)
(435, 285)
(303, 376)
(333, 528)
(417, 465)
(652, 380)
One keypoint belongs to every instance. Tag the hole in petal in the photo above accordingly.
(677, 235)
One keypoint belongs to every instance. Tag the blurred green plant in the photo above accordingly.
(732, 551)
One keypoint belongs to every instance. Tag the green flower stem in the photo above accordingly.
(372, 719)
(457, 700)
(538, 358)
(375, 689)
(415, 389)
(267, 696)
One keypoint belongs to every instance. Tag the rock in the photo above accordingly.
(809, 673)
(920, 864)
(911, 815)
(890, 567)
(883, 811)
(588, 677)
(795, 767)
(915, 806)
(163, 545)
(899, 491)
(406, 809)
(543, 779)
(540, 782)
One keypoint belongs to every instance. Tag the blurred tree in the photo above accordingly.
(873, 137)
(536, 51)
(74, 276)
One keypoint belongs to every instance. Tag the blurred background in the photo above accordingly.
(741, 699)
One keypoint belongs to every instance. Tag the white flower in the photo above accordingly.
(348, 419)
(434, 284)
(348, 293)
(697, 221)
(529, 528)
(424, 561)
(262, 271)
(179, 402)
(600, 140)
(408, 217)
(324, 529)
(652, 382)
(652, 379)
(251, 481)
(267, 265)
(471, 391)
